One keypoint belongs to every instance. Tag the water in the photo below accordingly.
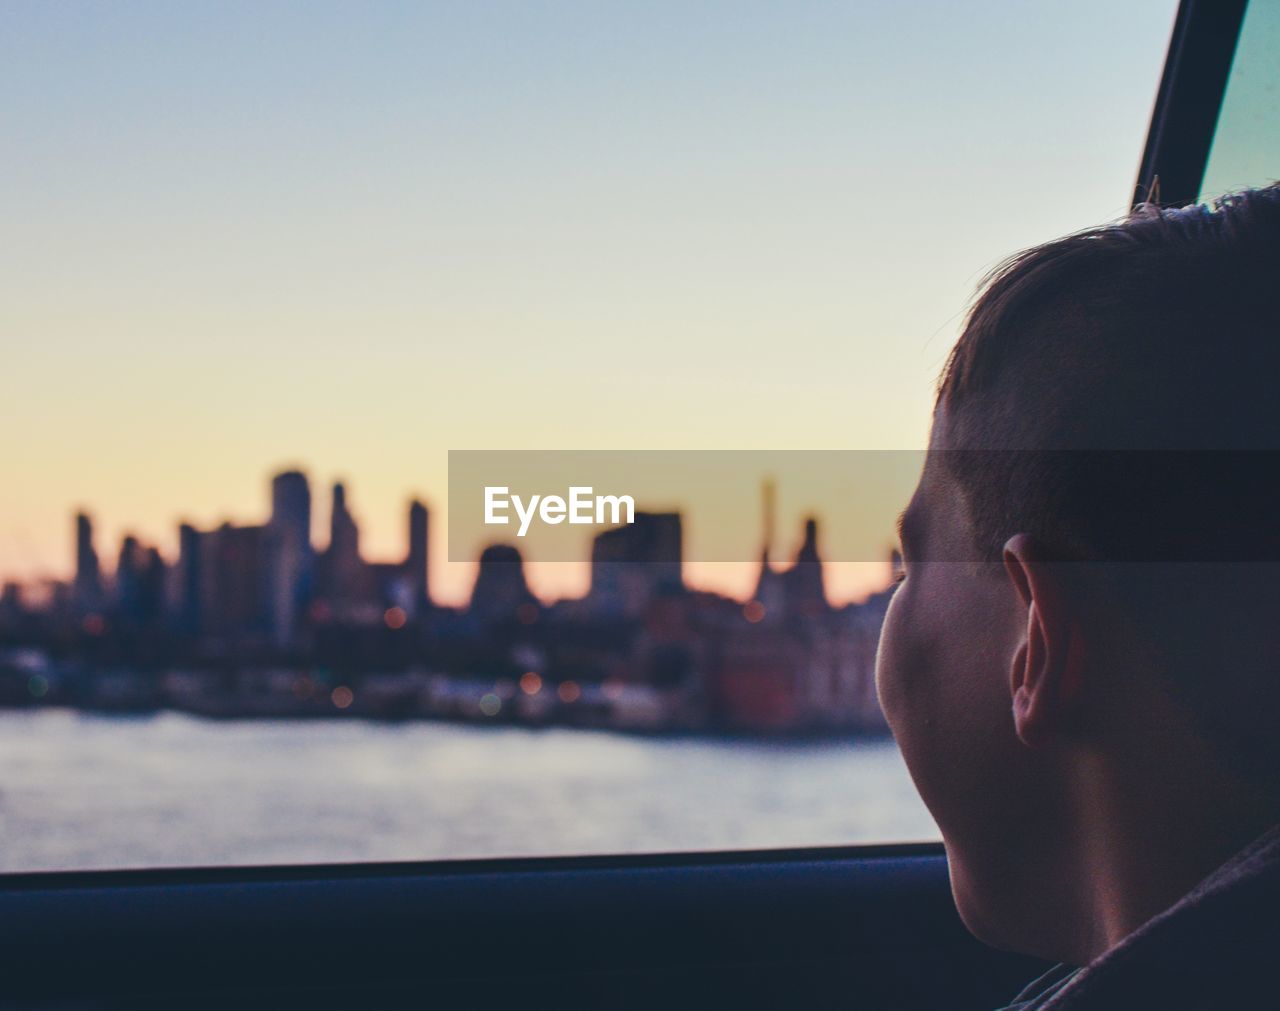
(89, 791)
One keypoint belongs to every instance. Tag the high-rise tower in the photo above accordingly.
(87, 589)
(290, 557)
(416, 561)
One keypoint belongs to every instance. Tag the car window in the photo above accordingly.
(1246, 142)
(266, 265)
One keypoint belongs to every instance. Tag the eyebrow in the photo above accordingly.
(901, 522)
(906, 526)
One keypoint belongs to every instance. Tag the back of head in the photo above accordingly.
(1114, 395)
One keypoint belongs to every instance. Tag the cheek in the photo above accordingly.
(891, 665)
(941, 685)
(906, 669)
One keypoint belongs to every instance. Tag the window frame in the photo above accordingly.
(129, 932)
(1189, 101)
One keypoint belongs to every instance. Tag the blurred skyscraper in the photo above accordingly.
(500, 589)
(795, 591)
(87, 589)
(186, 580)
(633, 564)
(805, 590)
(139, 585)
(291, 559)
(343, 553)
(233, 591)
(416, 561)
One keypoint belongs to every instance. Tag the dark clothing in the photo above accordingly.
(1215, 949)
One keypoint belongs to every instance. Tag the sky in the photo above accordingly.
(353, 236)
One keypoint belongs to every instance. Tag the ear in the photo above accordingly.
(1045, 677)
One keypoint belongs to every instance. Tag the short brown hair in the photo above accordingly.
(1115, 394)
(1085, 362)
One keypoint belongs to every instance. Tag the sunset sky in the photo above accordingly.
(351, 237)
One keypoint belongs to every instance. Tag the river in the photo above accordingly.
(80, 791)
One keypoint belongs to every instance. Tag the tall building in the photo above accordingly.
(806, 593)
(347, 588)
(291, 504)
(769, 592)
(798, 590)
(186, 581)
(416, 561)
(139, 584)
(342, 557)
(233, 583)
(500, 588)
(291, 559)
(10, 604)
(86, 592)
(633, 564)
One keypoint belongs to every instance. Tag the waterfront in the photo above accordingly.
(82, 790)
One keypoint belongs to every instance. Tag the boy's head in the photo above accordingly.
(1090, 591)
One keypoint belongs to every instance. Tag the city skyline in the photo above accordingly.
(257, 620)
(238, 236)
(289, 494)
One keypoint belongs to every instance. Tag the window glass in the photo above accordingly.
(1246, 142)
(266, 264)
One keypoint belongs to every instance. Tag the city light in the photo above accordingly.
(569, 691)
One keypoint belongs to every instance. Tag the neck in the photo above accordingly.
(1151, 824)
